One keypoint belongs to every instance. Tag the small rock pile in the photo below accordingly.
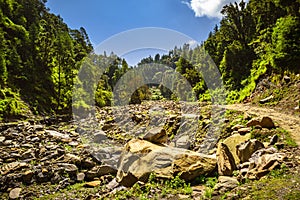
(248, 158)
(33, 153)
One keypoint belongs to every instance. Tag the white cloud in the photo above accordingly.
(209, 8)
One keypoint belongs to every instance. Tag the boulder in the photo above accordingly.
(246, 149)
(225, 160)
(264, 122)
(142, 157)
(156, 135)
(267, 122)
(234, 140)
(225, 184)
(264, 164)
(253, 122)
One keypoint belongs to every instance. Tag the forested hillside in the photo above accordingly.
(253, 40)
(40, 56)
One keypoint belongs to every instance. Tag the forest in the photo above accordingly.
(40, 56)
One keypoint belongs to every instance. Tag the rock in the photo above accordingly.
(69, 168)
(106, 169)
(234, 140)
(267, 122)
(2, 139)
(137, 118)
(198, 191)
(225, 160)
(279, 145)
(11, 167)
(183, 142)
(263, 161)
(87, 163)
(38, 127)
(73, 144)
(273, 140)
(143, 157)
(27, 176)
(112, 184)
(71, 158)
(237, 127)
(246, 149)
(102, 170)
(60, 136)
(264, 122)
(253, 122)
(100, 137)
(225, 184)
(286, 79)
(244, 131)
(268, 160)
(80, 177)
(126, 179)
(92, 184)
(15, 193)
(156, 135)
(266, 100)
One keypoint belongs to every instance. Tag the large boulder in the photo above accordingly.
(234, 140)
(226, 163)
(142, 157)
(246, 149)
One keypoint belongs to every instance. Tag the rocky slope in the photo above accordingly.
(115, 152)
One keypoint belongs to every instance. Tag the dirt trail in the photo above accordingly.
(287, 122)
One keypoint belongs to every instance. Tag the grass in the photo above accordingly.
(155, 189)
(76, 191)
(288, 140)
(277, 185)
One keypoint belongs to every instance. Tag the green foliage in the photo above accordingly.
(155, 189)
(288, 140)
(39, 55)
(10, 104)
(209, 182)
(286, 42)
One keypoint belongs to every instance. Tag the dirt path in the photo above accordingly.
(287, 122)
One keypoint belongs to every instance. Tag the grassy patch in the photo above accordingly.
(287, 138)
(155, 189)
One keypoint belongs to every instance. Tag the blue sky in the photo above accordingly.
(103, 19)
